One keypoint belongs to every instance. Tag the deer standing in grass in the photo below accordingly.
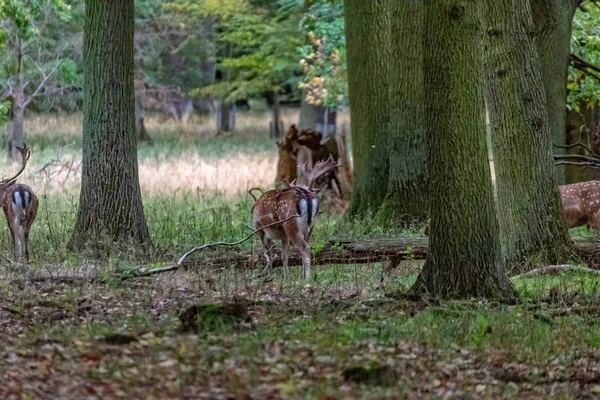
(20, 208)
(296, 207)
(581, 204)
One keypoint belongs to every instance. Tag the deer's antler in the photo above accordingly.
(25, 154)
(319, 169)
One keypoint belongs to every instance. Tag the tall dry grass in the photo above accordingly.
(185, 156)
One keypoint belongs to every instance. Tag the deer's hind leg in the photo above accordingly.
(268, 245)
(297, 239)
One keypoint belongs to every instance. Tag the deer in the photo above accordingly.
(20, 205)
(288, 148)
(581, 204)
(289, 215)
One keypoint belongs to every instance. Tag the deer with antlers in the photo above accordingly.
(289, 215)
(20, 206)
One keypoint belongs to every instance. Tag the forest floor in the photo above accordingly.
(345, 335)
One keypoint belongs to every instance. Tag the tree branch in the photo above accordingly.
(36, 93)
(582, 65)
(555, 269)
(195, 249)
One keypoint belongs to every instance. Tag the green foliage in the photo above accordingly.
(175, 52)
(256, 42)
(4, 107)
(584, 87)
(324, 59)
(45, 35)
(23, 13)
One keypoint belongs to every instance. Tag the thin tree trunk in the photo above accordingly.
(276, 116)
(140, 128)
(406, 198)
(110, 205)
(464, 257)
(18, 126)
(368, 51)
(533, 230)
(553, 22)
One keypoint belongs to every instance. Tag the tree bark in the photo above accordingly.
(276, 132)
(406, 198)
(464, 257)
(553, 22)
(110, 205)
(533, 229)
(18, 123)
(140, 128)
(580, 127)
(368, 28)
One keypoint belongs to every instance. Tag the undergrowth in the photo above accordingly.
(342, 336)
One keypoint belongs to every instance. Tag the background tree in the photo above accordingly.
(463, 258)
(406, 196)
(110, 205)
(386, 97)
(257, 52)
(368, 28)
(533, 230)
(583, 91)
(40, 59)
(553, 23)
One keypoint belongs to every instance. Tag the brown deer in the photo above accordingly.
(581, 204)
(322, 150)
(290, 216)
(288, 158)
(20, 206)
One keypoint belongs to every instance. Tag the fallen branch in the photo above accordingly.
(195, 249)
(555, 269)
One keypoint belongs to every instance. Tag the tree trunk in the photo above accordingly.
(580, 126)
(140, 127)
(553, 22)
(110, 205)
(533, 229)
(276, 132)
(406, 198)
(464, 257)
(368, 51)
(18, 125)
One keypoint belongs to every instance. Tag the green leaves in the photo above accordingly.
(4, 106)
(256, 42)
(324, 59)
(584, 87)
(22, 13)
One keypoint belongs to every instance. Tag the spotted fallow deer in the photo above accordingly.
(581, 204)
(20, 206)
(290, 216)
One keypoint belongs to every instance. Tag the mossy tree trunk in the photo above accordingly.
(385, 77)
(110, 205)
(464, 257)
(533, 229)
(553, 22)
(368, 31)
(406, 198)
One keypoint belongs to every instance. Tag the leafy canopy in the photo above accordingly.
(584, 87)
(324, 58)
(256, 43)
